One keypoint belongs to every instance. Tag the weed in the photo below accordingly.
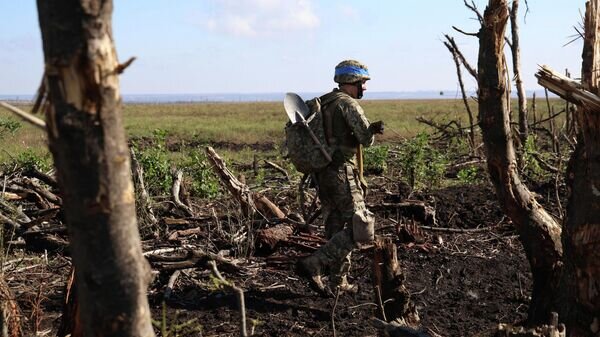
(157, 170)
(469, 175)
(204, 183)
(375, 159)
(531, 166)
(422, 163)
(170, 327)
(8, 126)
(30, 159)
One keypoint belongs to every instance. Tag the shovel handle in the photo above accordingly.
(316, 140)
(300, 118)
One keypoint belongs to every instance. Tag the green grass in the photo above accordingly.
(251, 123)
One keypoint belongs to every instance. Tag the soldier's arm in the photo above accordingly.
(358, 123)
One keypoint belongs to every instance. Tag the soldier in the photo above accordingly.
(341, 187)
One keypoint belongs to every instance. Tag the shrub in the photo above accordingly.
(531, 166)
(8, 126)
(204, 183)
(421, 163)
(469, 175)
(29, 159)
(375, 159)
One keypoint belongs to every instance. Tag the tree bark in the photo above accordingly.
(539, 232)
(87, 141)
(580, 298)
(516, 58)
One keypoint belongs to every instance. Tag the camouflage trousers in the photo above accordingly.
(341, 197)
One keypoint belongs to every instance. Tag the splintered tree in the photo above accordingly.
(568, 281)
(87, 141)
(539, 232)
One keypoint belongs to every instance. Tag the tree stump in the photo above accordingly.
(390, 291)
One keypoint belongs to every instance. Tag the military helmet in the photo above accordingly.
(351, 71)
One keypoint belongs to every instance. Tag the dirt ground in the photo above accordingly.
(463, 283)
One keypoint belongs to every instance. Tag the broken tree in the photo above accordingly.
(87, 141)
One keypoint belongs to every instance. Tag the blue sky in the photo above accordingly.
(256, 46)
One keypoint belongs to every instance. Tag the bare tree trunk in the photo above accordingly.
(580, 299)
(87, 141)
(539, 232)
(516, 57)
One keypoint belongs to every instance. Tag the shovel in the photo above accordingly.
(297, 111)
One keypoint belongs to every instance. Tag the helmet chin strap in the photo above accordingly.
(359, 90)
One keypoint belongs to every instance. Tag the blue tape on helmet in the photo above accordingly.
(351, 70)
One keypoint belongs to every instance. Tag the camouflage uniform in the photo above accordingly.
(339, 187)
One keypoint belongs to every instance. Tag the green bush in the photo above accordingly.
(375, 159)
(469, 175)
(29, 159)
(531, 166)
(204, 183)
(8, 126)
(421, 163)
(156, 164)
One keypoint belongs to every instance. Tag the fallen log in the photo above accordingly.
(251, 203)
(269, 237)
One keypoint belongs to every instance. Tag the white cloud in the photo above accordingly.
(251, 18)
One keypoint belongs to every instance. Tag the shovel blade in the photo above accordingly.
(295, 104)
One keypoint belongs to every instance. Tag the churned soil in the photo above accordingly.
(462, 283)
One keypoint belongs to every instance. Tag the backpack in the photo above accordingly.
(303, 152)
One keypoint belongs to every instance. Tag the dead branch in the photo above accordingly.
(12, 224)
(464, 32)
(461, 57)
(278, 168)
(239, 295)
(176, 235)
(455, 55)
(567, 88)
(29, 118)
(45, 178)
(70, 323)
(175, 189)
(516, 57)
(475, 10)
(270, 237)
(251, 203)
(35, 187)
(171, 284)
(122, 66)
(10, 314)
(144, 202)
(414, 209)
(13, 212)
(193, 258)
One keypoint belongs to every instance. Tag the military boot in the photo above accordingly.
(310, 268)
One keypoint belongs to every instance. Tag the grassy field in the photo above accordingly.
(249, 123)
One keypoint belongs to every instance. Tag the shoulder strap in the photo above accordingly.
(327, 116)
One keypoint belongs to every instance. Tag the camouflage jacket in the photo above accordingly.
(345, 126)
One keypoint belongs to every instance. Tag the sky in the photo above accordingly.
(263, 46)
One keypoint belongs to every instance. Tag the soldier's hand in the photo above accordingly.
(377, 127)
